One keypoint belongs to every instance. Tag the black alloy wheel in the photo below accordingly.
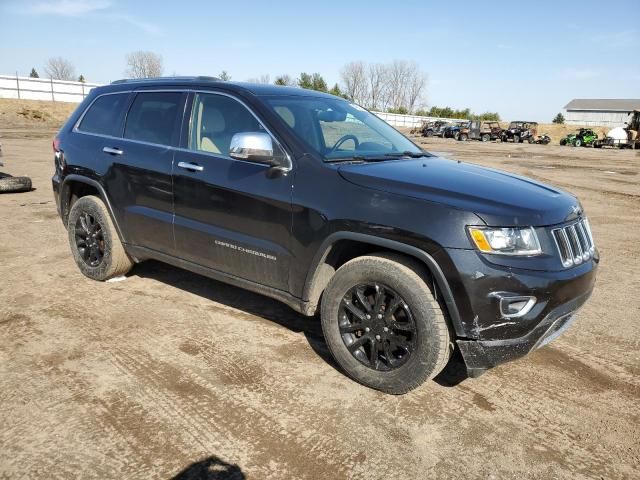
(89, 238)
(377, 326)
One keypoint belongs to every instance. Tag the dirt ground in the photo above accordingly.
(171, 375)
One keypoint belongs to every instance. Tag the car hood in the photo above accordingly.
(499, 198)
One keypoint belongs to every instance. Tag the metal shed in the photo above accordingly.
(605, 112)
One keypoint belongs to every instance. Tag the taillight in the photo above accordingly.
(56, 145)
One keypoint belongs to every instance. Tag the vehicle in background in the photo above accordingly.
(453, 131)
(543, 139)
(434, 129)
(623, 137)
(477, 130)
(583, 137)
(519, 131)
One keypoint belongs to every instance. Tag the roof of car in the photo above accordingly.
(259, 89)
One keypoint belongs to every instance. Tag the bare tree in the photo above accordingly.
(143, 64)
(261, 79)
(399, 71)
(285, 81)
(377, 79)
(355, 82)
(415, 87)
(224, 76)
(59, 68)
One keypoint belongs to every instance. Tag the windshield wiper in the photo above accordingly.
(406, 154)
(379, 158)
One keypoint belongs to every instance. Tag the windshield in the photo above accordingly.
(339, 130)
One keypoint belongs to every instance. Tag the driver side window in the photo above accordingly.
(215, 119)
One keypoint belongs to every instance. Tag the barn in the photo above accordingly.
(600, 111)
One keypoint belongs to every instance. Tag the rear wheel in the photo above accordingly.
(577, 142)
(486, 137)
(94, 242)
(563, 141)
(463, 137)
(516, 139)
(383, 325)
(429, 133)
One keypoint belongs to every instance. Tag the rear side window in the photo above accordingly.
(103, 116)
(153, 117)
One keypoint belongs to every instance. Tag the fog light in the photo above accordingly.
(514, 307)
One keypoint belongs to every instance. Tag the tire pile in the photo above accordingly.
(9, 184)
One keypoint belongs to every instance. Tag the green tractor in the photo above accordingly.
(583, 137)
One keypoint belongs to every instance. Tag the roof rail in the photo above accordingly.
(180, 78)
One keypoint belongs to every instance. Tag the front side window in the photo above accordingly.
(103, 116)
(215, 119)
(337, 129)
(153, 117)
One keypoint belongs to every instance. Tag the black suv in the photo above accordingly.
(312, 200)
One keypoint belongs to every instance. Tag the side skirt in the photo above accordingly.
(143, 253)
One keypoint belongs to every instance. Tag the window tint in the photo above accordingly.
(217, 118)
(104, 115)
(153, 117)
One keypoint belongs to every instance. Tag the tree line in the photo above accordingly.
(395, 87)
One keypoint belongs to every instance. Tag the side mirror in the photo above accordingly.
(255, 147)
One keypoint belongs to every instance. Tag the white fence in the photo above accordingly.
(410, 121)
(13, 86)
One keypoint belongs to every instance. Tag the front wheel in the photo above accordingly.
(516, 139)
(486, 137)
(383, 325)
(463, 137)
(577, 142)
(94, 242)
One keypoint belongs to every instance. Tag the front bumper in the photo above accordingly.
(488, 338)
(480, 355)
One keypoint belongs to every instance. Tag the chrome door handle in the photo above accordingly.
(112, 151)
(191, 166)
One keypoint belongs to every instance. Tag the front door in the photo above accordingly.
(231, 215)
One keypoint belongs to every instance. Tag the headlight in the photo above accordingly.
(506, 241)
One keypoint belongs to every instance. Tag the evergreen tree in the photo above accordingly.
(34, 74)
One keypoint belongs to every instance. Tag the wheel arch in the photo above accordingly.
(323, 268)
(82, 186)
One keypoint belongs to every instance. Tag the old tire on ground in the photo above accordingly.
(383, 325)
(94, 241)
(9, 184)
(486, 137)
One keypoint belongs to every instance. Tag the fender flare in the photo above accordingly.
(438, 275)
(101, 191)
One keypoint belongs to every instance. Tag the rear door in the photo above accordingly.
(142, 160)
(231, 215)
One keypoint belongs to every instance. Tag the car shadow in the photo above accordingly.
(210, 468)
(268, 309)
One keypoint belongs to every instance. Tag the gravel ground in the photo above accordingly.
(168, 374)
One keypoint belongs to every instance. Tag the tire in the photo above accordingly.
(9, 184)
(463, 137)
(486, 137)
(456, 135)
(516, 139)
(101, 232)
(577, 142)
(563, 141)
(431, 339)
(429, 133)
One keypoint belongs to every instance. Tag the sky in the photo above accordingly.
(525, 60)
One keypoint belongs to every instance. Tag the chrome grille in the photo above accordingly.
(574, 242)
